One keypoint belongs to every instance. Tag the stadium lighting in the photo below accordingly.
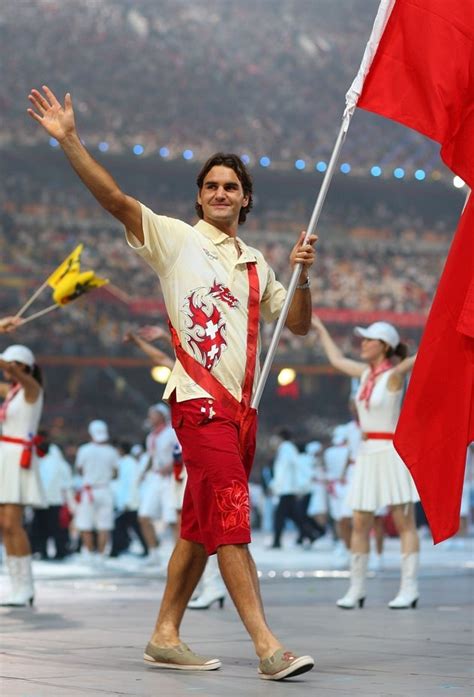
(265, 161)
(300, 164)
(103, 146)
(345, 168)
(376, 171)
(245, 159)
(138, 149)
(399, 173)
(420, 174)
(160, 373)
(164, 152)
(321, 166)
(458, 182)
(188, 154)
(286, 376)
(53, 142)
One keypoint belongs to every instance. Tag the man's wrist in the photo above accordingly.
(304, 285)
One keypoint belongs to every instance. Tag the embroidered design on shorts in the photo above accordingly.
(233, 504)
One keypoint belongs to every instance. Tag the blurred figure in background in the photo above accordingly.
(97, 464)
(126, 495)
(305, 475)
(336, 461)
(49, 523)
(285, 485)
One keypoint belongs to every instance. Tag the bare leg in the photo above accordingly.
(102, 540)
(148, 532)
(184, 571)
(239, 574)
(404, 519)
(362, 522)
(15, 538)
(379, 534)
(87, 540)
(344, 530)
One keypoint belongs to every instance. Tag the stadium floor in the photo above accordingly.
(86, 635)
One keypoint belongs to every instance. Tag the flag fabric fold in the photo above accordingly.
(422, 75)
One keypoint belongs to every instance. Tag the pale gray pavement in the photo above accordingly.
(86, 636)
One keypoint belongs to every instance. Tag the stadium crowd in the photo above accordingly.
(268, 82)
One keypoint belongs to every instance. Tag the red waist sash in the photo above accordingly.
(374, 435)
(33, 444)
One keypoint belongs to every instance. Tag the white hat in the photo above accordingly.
(383, 331)
(20, 354)
(162, 409)
(136, 450)
(98, 431)
(314, 447)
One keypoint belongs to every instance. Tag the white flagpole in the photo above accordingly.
(352, 96)
(40, 313)
(30, 301)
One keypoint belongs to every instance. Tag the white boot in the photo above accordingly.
(408, 594)
(356, 593)
(21, 579)
(212, 585)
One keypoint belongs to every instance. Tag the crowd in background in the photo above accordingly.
(253, 77)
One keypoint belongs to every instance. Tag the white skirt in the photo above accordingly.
(18, 485)
(380, 479)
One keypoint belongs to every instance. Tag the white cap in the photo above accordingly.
(383, 331)
(20, 354)
(314, 447)
(98, 431)
(136, 449)
(162, 409)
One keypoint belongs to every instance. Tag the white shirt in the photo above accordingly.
(56, 476)
(126, 485)
(285, 469)
(205, 288)
(160, 448)
(98, 461)
(335, 459)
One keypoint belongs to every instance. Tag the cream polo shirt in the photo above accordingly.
(205, 288)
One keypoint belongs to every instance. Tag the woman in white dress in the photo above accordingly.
(380, 477)
(20, 483)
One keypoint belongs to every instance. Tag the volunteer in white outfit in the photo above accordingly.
(380, 476)
(20, 483)
(318, 504)
(157, 497)
(97, 463)
(56, 477)
(336, 461)
(126, 496)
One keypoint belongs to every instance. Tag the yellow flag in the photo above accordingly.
(71, 265)
(73, 285)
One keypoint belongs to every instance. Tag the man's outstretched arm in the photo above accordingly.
(58, 121)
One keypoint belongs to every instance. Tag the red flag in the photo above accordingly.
(422, 76)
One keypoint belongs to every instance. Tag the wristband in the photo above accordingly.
(305, 285)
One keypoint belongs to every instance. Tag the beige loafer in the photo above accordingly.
(284, 664)
(178, 657)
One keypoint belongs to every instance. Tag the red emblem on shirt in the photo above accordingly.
(218, 290)
(205, 327)
(233, 504)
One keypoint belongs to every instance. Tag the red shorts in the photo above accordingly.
(216, 501)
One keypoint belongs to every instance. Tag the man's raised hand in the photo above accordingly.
(56, 119)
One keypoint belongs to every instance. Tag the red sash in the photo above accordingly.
(241, 412)
(28, 446)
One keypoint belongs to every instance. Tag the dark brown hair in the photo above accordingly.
(401, 351)
(232, 162)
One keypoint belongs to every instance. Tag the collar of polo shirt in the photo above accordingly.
(216, 236)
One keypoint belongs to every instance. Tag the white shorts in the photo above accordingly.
(95, 511)
(157, 498)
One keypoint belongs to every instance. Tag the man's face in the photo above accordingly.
(222, 197)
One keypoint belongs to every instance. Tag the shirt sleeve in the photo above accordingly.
(273, 298)
(164, 238)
